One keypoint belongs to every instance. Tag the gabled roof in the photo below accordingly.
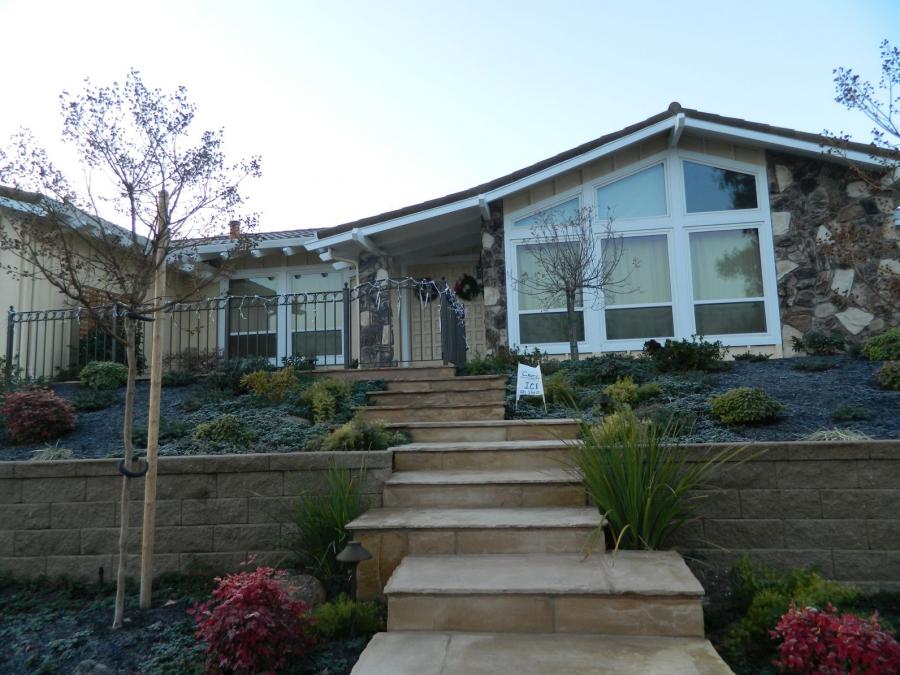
(753, 133)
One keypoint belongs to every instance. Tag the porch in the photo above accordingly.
(384, 323)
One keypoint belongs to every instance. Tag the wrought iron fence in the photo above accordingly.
(387, 322)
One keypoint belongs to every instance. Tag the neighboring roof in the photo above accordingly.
(260, 236)
(37, 204)
(673, 110)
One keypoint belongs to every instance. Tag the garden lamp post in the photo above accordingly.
(353, 554)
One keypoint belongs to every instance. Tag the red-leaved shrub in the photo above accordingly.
(33, 415)
(821, 641)
(252, 625)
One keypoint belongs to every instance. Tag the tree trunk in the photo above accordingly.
(131, 352)
(572, 324)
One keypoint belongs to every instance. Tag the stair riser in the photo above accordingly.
(389, 547)
(485, 412)
(493, 396)
(491, 459)
(604, 614)
(506, 496)
(450, 434)
(459, 384)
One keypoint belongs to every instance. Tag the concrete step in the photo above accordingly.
(434, 653)
(540, 454)
(497, 488)
(490, 430)
(432, 413)
(389, 534)
(646, 593)
(438, 397)
(466, 383)
(389, 374)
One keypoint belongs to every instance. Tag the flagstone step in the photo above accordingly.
(432, 413)
(391, 533)
(437, 397)
(648, 593)
(490, 430)
(497, 488)
(463, 383)
(388, 374)
(445, 653)
(484, 455)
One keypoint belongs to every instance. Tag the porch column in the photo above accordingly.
(376, 331)
(492, 268)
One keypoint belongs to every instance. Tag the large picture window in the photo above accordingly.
(709, 188)
(542, 316)
(639, 305)
(559, 213)
(640, 195)
(317, 316)
(727, 282)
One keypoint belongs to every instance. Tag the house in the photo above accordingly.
(746, 233)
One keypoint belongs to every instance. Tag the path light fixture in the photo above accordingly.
(353, 554)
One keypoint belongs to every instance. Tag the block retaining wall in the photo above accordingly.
(62, 518)
(835, 505)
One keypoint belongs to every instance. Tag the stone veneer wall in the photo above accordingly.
(492, 268)
(61, 518)
(817, 203)
(834, 505)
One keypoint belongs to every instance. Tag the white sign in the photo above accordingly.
(529, 383)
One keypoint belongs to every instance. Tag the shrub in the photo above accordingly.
(273, 386)
(503, 360)
(884, 347)
(745, 405)
(225, 429)
(681, 355)
(299, 363)
(813, 365)
(169, 430)
(360, 434)
(888, 376)
(178, 378)
(816, 343)
(647, 391)
(319, 522)
(324, 396)
(227, 375)
(762, 595)
(344, 618)
(622, 392)
(194, 360)
(821, 641)
(34, 415)
(95, 399)
(606, 369)
(851, 413)
(558, 391)
(753, 358)
(640, 479)
(103, 375)
(252, 625)
(203, 396)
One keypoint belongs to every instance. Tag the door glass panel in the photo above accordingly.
(709, 188)
(639, 195)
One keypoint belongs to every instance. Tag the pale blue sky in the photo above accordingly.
(361, 107)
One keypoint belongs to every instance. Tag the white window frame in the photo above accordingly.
(283, 276)
(676, 225)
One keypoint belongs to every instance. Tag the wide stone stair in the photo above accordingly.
(481, 551)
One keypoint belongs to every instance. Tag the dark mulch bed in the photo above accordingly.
(53, 626)
(99, 432)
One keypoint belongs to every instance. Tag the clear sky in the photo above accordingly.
(361, 107)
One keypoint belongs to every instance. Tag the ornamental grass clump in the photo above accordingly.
(641, 478)
(359, 434)
(324, 396)
(319, 521)
(745, 405)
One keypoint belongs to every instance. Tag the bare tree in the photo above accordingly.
(572, 257)
(864, 250)
(145, 165)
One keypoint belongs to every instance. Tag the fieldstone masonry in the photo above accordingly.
(492, 268)
(836, 246)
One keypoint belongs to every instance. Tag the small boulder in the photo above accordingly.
(303, 587)
(91, 667)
